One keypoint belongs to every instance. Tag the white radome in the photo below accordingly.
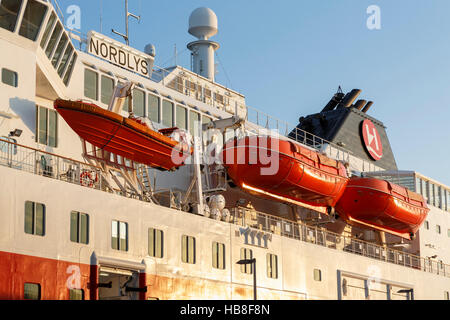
(217, 202)
(203, 23)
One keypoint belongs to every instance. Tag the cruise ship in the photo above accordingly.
(79, 221)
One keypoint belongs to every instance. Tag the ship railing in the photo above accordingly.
(318, 236)
(49, 165)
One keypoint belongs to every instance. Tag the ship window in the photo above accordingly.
(188, 249)
(218, 255)
(167, 113)
(317, 275)
(155, 243)
(272, 266)
(448, 233)
(138, 103)
(427, 225)
(65, 60)
(181, 120)
(446, 295)
(119, 235)
(76, 294)
(153, 108)
(69, 69)
(246, 254)
(34, 218)
(48, 28)
(438, 229)
(32, 19)
(10, 77)
(53, 38)
(46, 126)
(79, 227)
(194, 120)
(107, 89)
(90, 84)
(32, 291)
(9, 10)
(59, 50)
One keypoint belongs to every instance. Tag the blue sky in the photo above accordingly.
(288, 57)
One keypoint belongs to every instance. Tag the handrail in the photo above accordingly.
(315, 235)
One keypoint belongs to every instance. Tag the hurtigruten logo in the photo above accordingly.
(372, 140)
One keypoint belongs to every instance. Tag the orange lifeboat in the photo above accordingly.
(285, 171)
(383, 206)
(126, 137)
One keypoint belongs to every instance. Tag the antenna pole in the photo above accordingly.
(126, 36)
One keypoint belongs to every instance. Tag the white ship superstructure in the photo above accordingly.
(75, 226)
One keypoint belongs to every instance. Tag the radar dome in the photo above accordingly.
(203, 23)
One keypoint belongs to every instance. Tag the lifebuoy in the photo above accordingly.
(87, 180)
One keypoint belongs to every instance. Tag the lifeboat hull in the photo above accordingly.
(383, 206)
(122, 136)
(284, 171)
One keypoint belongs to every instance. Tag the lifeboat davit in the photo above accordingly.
(383, 206)
(285, 171)
(126, 137)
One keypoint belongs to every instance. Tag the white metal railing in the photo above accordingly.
(296, 230)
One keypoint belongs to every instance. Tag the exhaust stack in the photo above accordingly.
(360, 104)
(350, 98)
(367, 107)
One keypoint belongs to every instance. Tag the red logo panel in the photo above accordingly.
(372, 140)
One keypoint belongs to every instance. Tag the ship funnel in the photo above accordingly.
(334, 102)
(203, 25)
(367, 107)
(350, 98)
(360, 104)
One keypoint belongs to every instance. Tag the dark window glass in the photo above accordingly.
(194, 119)
(32, 291)
(138, 103)
(70, 69)
(53, 39)
(9, 10)
(65, 60)
(272, 266)
(218, 255)
(90, 84)
(48, 28)
(107, 89)
(47, 126)
(34, 218)
(181, 121)
(79, 227)
(188, 249)
(32, 19)
(76, 294)
(155, 243)
(153, 108)
(167, 113)
(59, 50)
(10, 77)
(246, 254)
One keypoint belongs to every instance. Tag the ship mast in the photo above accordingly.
(127, 16)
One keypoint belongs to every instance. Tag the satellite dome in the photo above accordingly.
(203, 23)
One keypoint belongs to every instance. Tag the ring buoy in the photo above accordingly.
(87, 180)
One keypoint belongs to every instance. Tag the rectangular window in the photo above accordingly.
(107, 91)
(32, 19)
(10, 77)
(48, 28)
(32, 291)
(79, 227)
(427, 225)
(194, 120)
(448, 233)
(53, 39)
(438, 229)
(34, 218)
(90, 84)
(272, 266)
(317, 275)
(181, 122)
(76, 294)
(65, 60)
(119, 235)
(155, 243)
(8, 148)
(206, 120)
(9, 10)
(246, 254)
(139, 103)
(153, 108)
(167, 113)
(188, 249)
(70, 69)
(218, 255)
(59, 50)
(46, 126)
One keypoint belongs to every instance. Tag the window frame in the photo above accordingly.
(159, 118)
(34, 226)
(47, 130)
(38, 285)
(18, 18)
(118, 230)
(218, 255)
(86, 72)
(107, 78)
(272, 266)
(38, 31)
(79, 227)
(153, 243)
(188, 249)
(76, 291)
(15, 75)
(317, 274)
(246, 254)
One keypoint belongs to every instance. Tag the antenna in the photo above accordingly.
(127, 15)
